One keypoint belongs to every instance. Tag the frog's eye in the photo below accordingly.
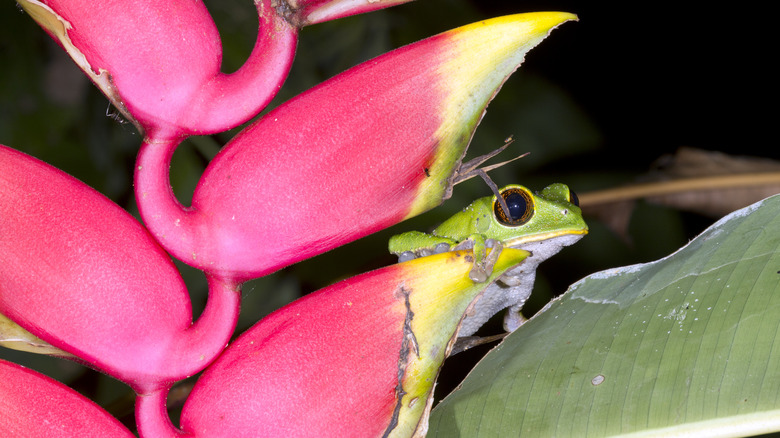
(573, 198)
(521, 207)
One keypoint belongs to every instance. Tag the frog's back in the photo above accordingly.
(474, 219)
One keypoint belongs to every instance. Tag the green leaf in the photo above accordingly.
(684, 345)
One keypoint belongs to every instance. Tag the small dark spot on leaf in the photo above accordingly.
(427, 172)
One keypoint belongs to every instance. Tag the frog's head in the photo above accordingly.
(552, 213)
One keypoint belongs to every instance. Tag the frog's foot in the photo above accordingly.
(406, 256)
(513, 319)
(484, 267)
(442, 247)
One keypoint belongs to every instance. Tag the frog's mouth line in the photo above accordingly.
(543, 236)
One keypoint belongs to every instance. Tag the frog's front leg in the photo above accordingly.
(483, 262)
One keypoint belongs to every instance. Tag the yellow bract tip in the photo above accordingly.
(474, 61)
(438, 299)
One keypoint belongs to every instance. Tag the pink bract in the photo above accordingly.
(83, 275)
(35, 406)
(159, 61)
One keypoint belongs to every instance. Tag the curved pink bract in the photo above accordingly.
(159, 61)
(83, 275)
(35, 406)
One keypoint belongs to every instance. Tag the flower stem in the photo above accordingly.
(151, 416)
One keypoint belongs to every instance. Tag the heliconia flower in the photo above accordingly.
(35, 406)
(159, 61)
(369, 148)
(358, 358)
(83, 275)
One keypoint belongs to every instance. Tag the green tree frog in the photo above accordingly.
(541, 223)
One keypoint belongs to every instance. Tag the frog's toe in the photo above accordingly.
(466, 244)
(478, 274)
(513, 319)
(406, 256)
(425, 252)
(512, 280)
(440, 248)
